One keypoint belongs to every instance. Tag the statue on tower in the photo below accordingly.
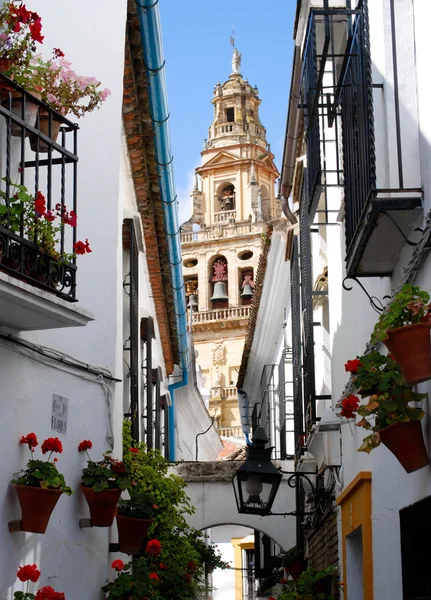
(236, 61)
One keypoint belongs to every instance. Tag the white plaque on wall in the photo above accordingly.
(59, 413)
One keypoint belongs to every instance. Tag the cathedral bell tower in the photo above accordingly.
(221, 242)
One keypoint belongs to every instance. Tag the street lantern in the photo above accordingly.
(256, 482)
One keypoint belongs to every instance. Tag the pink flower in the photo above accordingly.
(104, 94)
(51, 98)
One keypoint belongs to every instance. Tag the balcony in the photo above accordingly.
(223, 318)
(227, 216)
(340, 103)
(223, 231)
(37, 273)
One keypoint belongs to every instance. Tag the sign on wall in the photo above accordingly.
(59, 413)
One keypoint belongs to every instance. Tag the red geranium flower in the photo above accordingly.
(283, 580)
(352, 366)
(40, 203)
(135, 450)
(52, 445)
(162, 566)
(82, 247)
(154, 576)
(29, 439)
(117, 466)
(187, 577)
(28, 573)
(85, 445)
(192, 566)
(48, 593)
(155, 506)
(348, 406)
(118, 565)
(49, 216)
(69, 218)
(58, 53)
(154, 548)
(36, 30)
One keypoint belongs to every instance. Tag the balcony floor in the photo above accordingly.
(24, 307)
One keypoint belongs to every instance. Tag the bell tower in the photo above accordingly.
(233, 199)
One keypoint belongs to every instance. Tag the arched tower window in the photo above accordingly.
(246, 286)
(226, 197)
(219, 283)
(265, 202)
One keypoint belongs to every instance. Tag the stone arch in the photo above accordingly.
(225, 196)
(266, 202)
(209, 486)
(215, 276)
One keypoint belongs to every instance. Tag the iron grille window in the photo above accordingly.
(50, 168)
(282, 404)
(131, 287)
(298, 419)
(307, 316)
(415, 526)
(358, 124)
(310, 98)
(147, 335)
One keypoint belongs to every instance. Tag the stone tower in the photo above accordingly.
(221, 242)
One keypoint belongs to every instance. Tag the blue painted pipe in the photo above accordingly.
(149, 20)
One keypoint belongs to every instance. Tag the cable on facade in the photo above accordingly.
(160, 122)
(155, 70)
(145, 9)
(169, 201)
(59, 357)
(164, 165)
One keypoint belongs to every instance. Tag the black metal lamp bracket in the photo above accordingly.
(292, 482)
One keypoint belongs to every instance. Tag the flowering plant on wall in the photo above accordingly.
(42, 473)
(28, 214)
(31, 573)
(378, 378)
(104, 474)
(20, 32)
(60, 87)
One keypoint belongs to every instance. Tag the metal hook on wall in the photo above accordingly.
(375, 303)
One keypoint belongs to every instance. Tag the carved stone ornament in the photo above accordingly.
(219, 354)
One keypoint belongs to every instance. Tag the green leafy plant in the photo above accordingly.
(310, 585)
(379, 378)
(108, 473)
(40, 473)
(139, 506)
(295, 554)
(28, 213)
(409, 306)
(184, 551)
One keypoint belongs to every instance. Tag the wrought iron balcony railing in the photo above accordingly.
(38, 150)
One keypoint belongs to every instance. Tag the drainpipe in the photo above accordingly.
(149, 20)
(291, 139)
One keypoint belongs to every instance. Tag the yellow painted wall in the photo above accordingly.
(355, 503)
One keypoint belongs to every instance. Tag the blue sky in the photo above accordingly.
(198, 54)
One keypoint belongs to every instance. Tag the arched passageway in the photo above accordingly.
(211, 492)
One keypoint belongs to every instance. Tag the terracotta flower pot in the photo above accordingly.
(44, 128)
(410, 346)
(131, 532)
(296, 568)
(30, 114)
(406, 442)
(37, 505)
(102, 505)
